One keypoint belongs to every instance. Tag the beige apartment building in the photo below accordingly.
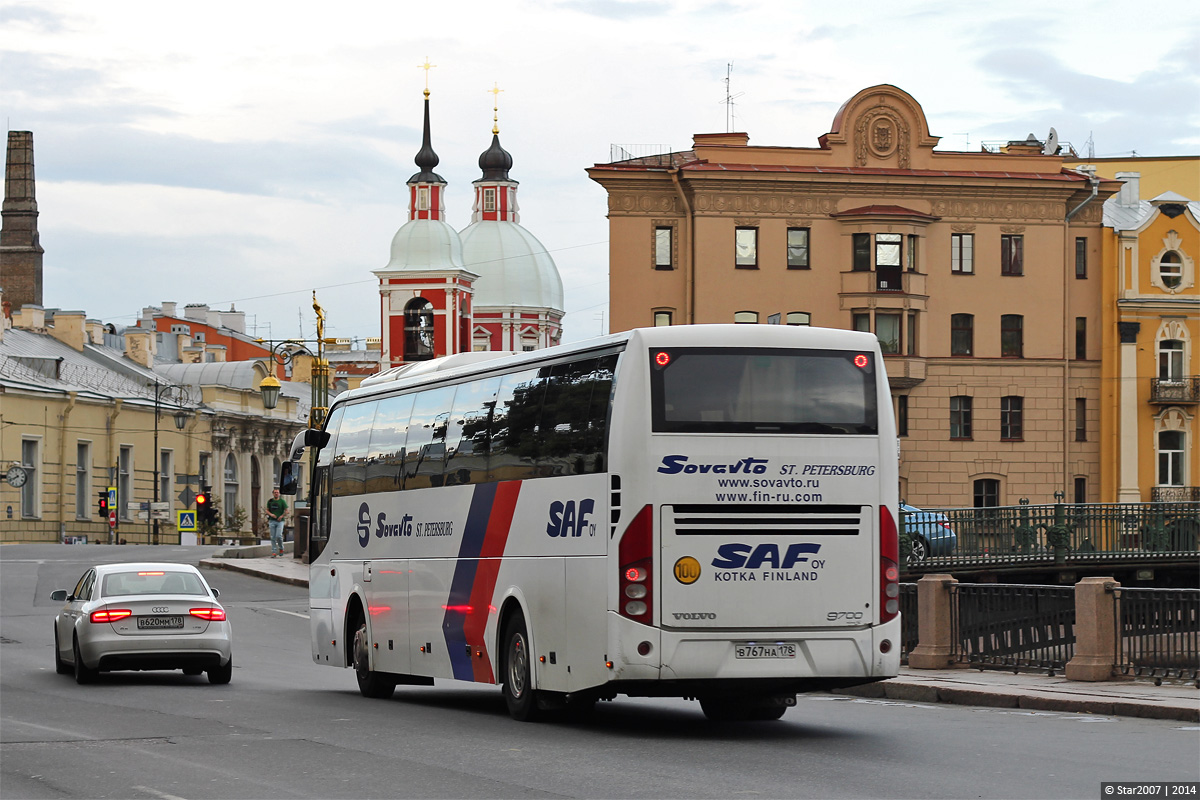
(979, 272)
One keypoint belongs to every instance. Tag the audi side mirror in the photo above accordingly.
(59, 596)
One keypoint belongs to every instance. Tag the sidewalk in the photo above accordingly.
(971, 687)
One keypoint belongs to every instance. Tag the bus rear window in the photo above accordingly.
(763, 390)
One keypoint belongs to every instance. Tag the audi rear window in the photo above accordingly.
(763, 390)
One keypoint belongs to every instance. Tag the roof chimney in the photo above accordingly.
(20, 250)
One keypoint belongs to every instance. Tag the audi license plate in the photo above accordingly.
(159, 622)
(764, 651)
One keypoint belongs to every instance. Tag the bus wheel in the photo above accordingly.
(370, 684)
(519, 694)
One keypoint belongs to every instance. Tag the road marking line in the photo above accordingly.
(157, 793)
(293, 613)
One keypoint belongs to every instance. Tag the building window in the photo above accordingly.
(418, 330)
(1170, 360)
(861, 322)
(912, 252)
(664, 247)
(862, 252)
(1081, 419)
(30, 507)
(205, 478)
(423, 198)
(962, 253)
(1080, 490)
(887, 330)
(911, 345)
(662, 319)
(962, 334)
(745, 317)
(1081, 338)
(1012, 336)
(746, 248)
(231, 488)
(797, 248)
(1170, 269)
(1170, 458)
(1080, 257)
(83, 480)
(1012, 254)
(1012, 412)
(489, 199)
(960, 417)
(799, 318)
(124, 481)
(166, 474)
(987, 493)
(902, 415)
(887, 262)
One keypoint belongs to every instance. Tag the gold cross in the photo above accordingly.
(495, 92)
(426, 66)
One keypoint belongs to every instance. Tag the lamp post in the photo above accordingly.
(181, 418)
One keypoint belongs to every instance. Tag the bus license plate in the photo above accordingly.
(764, 651)
(159, 622)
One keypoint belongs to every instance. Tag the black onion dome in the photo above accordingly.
(426, 159)
(495, 161)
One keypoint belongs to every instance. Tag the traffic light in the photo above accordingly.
(205, 513)
(102, 505)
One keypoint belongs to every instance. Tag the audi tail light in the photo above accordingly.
(110, 614)
(210, 614)
(636, 558)
(889, 566)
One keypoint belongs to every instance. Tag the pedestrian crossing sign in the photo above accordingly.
(186, 520)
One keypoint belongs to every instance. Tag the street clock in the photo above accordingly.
(15, 476)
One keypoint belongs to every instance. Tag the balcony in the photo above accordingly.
(1175, 494)
(864, 282)
(1177, 391)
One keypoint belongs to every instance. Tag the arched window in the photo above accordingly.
(231, 486)
(418, 330)
(1170, 360)
(799, 318)
(745, 317)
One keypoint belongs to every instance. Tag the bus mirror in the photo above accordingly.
(287, 477)
(309, 437)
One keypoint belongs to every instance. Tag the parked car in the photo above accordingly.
(930, 532)
(142, 616)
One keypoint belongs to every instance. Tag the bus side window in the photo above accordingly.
(425, 446)
(573, 417)
(514, 426)
(321, 484)
(468, 435)
(350, 455)
(385, 456)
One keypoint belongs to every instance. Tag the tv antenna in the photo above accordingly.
(1091, 146)
(729, 98)
(967, 138)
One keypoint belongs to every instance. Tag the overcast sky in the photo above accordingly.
(249, 152)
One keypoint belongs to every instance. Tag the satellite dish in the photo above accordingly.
(1051, 148)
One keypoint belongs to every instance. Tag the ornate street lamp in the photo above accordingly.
(181, 417)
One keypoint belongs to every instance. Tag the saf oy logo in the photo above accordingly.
(571, 519)
(382, 527)
(738, 562)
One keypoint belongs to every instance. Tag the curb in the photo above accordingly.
(234, 566)
(898, 689)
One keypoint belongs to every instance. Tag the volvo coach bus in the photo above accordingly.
(703, 511)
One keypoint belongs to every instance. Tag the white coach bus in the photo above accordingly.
(703, 511)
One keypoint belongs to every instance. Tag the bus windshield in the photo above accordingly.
(763, 390)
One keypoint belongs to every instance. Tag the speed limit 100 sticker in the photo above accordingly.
(687, 570)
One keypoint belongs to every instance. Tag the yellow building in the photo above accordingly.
(1151, 324)
(977, 271)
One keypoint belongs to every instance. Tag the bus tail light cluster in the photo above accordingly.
(636, 559)
(889, 566)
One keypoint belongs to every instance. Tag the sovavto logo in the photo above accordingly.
(673, 465)
(383, 528)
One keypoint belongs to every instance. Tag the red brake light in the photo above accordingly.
(635, 554)
(151, 573)
(110, 614)
(889, 566)
(210, 614)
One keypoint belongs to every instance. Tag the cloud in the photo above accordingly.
(619, 10)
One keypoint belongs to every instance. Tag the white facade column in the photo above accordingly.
(1129, 490)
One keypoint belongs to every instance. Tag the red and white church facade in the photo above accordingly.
(491, 286)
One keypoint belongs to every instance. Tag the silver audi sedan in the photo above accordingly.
(142, 616)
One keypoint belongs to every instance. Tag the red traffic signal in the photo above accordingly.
(102, 505)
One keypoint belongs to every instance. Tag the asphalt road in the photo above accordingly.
(286, 728)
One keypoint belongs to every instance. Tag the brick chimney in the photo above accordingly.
(20, 250)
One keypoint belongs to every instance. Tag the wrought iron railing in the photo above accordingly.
(1175, 494)
(1178, 390)
(1012, 626)
(910, 622)
(1158, 633)
(1060, 533)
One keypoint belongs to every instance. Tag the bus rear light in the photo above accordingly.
(889, 566)
(885, 646)
(210, 614)
(644, 648)
(636, 560)
(110, 614)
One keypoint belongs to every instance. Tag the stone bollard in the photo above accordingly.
(934, 649)
(1095, 630)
